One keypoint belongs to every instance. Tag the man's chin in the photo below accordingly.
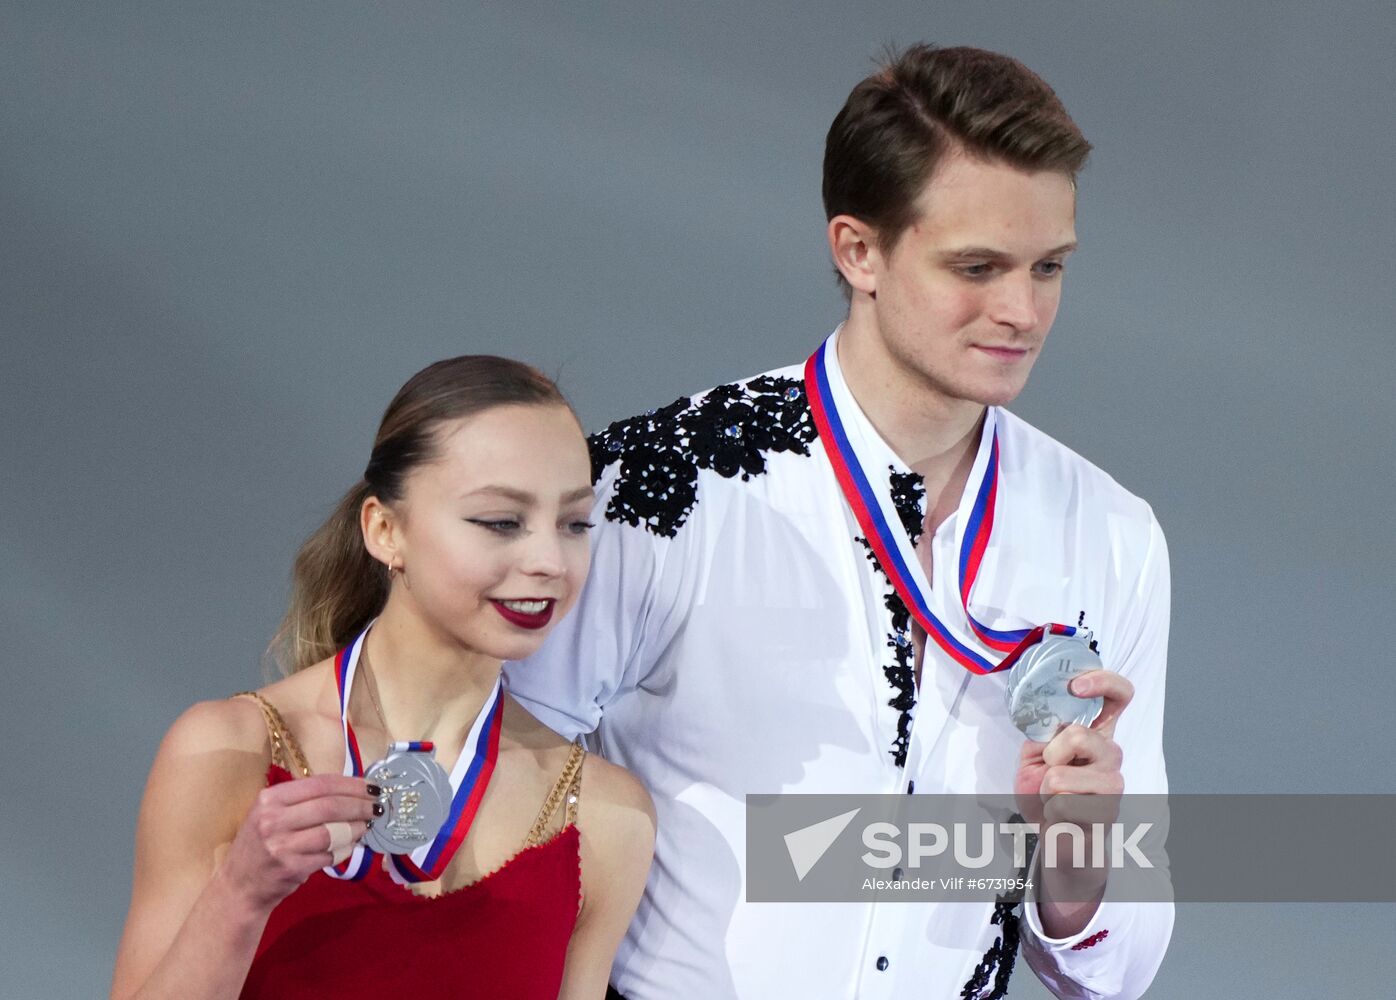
(998, 393)
(980, 388)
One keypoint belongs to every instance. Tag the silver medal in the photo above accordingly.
(1038, 699)
(416, 800)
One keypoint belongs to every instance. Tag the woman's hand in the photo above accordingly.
(292, 830)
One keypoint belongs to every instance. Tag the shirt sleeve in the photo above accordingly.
(1119, 951)
(624, 618)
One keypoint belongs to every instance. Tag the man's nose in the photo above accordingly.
(1015, 302)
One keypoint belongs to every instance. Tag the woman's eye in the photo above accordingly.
(502, 526)
(580, 527)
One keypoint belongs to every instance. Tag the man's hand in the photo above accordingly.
(1074, 779)
(1078, 760)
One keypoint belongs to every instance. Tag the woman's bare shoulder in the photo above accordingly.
(210, 766)
(223, 725)
(613, 795)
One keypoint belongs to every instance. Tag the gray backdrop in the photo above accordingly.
(230, 231)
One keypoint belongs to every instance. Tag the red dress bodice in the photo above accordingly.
(502, 938)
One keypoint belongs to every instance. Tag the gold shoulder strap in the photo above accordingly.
(285, 751)
(568, 785)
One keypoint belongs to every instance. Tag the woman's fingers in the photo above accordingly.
(325, 809)
(290, 792)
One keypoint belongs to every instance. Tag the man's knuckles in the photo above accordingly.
(1072, 742)
(1068, 780)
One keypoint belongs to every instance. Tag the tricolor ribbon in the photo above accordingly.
(346, 662)
(829, 399)
(469, 779)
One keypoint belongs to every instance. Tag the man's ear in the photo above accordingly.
(853, 244)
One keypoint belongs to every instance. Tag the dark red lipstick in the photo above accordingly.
(522, 619)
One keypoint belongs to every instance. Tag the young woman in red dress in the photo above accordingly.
(464, 541)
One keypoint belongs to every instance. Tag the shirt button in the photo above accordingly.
(897, 874)
(911, 788)
(882, 963)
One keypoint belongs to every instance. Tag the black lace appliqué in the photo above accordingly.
(1003, 953)
(907, 490)
(730, 431)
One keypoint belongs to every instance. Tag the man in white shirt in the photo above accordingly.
(739, 633)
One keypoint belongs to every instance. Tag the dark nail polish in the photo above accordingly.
(375, 791)
(378, 809)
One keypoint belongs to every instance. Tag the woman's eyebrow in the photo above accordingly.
(506, 492)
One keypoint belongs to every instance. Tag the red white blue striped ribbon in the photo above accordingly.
(877, 516)
(357, 865)
(469, 779)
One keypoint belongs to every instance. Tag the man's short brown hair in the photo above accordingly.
(925, 102)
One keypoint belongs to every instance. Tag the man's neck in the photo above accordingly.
(937, 437)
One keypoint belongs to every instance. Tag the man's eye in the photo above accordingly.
(1050, 268)
(502, 526)
(975, 270)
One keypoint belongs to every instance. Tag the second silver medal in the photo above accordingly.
(1039, 700)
